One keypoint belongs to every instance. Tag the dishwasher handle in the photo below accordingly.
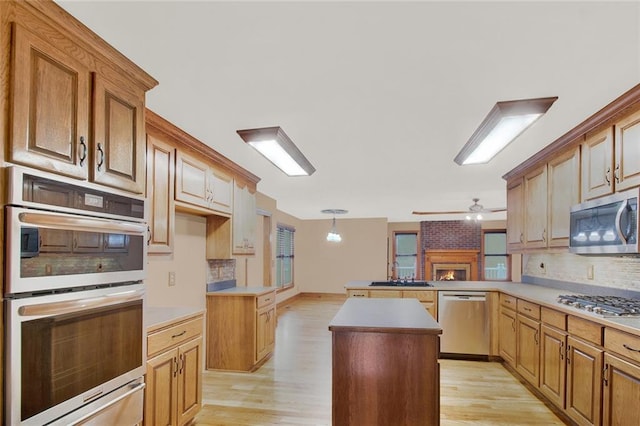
(465, 297)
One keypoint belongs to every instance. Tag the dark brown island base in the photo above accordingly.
(385, 364)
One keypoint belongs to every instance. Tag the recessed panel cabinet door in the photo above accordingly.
(552, 364)
(597, 164)
(49, 107)
(189, 381)
(515, 214)
(564, 191)
(584, 386)
(160, 399)
(119, 139)
(627, 142)
(160, 187)
(621, 392)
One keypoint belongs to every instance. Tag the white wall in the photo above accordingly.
(187, 261)
(324, 267)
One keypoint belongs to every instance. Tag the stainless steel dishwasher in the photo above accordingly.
(464, 318)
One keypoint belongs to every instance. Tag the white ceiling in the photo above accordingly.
(379, 96)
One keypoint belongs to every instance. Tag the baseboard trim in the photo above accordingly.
(334, 297)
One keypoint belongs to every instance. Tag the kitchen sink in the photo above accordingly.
(400, 283)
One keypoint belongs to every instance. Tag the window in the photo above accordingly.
(496, 260)
(284, 256)
(405, 248)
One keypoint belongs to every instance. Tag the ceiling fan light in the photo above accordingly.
(504, 123)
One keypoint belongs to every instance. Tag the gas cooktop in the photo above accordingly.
(608, 306)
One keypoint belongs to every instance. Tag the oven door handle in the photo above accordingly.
(63, 307)
(77, 223)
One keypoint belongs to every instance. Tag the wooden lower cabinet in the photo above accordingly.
(584, 386)
(241, 328)
(621, 394)
(428, 298)
(507, 332)
(553, 368)
(528, 349)
(174, 373)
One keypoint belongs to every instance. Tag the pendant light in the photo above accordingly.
(334, 236)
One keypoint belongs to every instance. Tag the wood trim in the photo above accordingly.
(416, 271)
(155, 121)
(605, 116)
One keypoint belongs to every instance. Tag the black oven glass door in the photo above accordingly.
(71, 250)
(71, 351)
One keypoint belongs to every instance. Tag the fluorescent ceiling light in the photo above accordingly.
(505, 122)
(275, 145)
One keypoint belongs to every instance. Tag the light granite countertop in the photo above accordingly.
(544, 296)
(242, 291)
(156, 317)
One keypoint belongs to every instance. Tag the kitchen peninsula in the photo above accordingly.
(385, 363)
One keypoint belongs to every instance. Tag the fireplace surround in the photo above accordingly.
(445, 265)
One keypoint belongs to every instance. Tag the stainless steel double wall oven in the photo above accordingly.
(75, 260)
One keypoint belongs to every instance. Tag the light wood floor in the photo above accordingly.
(294, 386)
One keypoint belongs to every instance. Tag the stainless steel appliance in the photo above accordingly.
(464, 318)
(74, 302)
(606, 306)
(607, 225)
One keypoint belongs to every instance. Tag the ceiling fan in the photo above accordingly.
(475, 208)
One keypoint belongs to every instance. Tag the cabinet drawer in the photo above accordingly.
(423, 296)
(385, 293)
(508, 301)
(529, 309)
(172, 336)
(553, 318)
(266, 299)
(358, 293)
(622, 343)
(587, 330)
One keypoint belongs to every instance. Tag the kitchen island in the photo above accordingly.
(385, 363)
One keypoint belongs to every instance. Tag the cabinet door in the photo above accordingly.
(627, 153)
(584, 387)
(515, 215)
(264, 341)
(160, 187)
(621, 392)
(244, 219)
(191, 180)
(597, 164)
(563, 192)
(161, 389)
(535, 208)
(50, 107)
(507, 330)
(528, 349)
(119, 139)
(189, 394)
(222, 191)
(552, 364)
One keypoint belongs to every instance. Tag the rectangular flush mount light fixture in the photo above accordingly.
(275, 145)
(505, 122)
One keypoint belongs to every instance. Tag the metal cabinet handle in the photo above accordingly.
(605, 375)
(536, 338)
(561, 350)
(83, 154)
(179, 334)
(544, 235)
(568, 353)
(175, 367)
(101, 160)
(149, 235)
(629, 348)
(616, 174)
(521, 237)
(606, 176)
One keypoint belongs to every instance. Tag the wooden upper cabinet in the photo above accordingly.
(49, 107)
(76, 104)
(626, 172)
(563, 175)
(119, 137)
(515, 214)
(160, 188)
(199, 184)
(535, 208)
(597, 164)
(244, 219)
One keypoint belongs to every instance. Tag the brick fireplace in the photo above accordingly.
(452, 245)
(451, 265)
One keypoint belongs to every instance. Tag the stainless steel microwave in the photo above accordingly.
(607, 225)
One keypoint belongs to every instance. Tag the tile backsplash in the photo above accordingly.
(220, 270)
(606, 271)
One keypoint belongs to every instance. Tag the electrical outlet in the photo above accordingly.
(543, 268)
(172, 279)
(590, 272)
